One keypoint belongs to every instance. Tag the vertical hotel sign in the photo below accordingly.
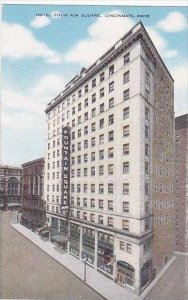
(65, 201)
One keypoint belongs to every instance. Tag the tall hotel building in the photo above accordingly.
(114, 123)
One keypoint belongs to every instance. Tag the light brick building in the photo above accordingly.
(119, 116)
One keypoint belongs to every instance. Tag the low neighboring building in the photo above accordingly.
(33, 207)
(181, 204)
(10, 187)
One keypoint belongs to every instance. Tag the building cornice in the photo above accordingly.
(123, 44)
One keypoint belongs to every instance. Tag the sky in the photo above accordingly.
(40, 54)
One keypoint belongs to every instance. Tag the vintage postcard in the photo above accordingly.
(94, 150)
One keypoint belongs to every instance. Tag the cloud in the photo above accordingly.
(40, 22)
(18, 42)
(25, 110)
(174, 22)
(161, 43)
(102, 35)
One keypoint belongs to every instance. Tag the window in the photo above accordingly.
(125, 167)
(110, 119)
(79, 119)
(73, 135)
(92, 218)
(79, 107)
(102, 108)
(85, 157)
(101, 139)
(111, 86)
(129, 248)
(125, 188)
(85, 130)
(126, 77)
(101, 188)
(110, 169)
(92, 156)
(146, 188)
(101, 170)
(79, 146)
(79, 159)
(93, 127)
(125, 113)
(93, 112)
(73, 123)
(92, 188)
(111, 70)
(110, 188)
(146, 113)
(78, 201)
(147, 94)
(146, 168)
(86, 88)
(78, 172)
(93, 203)
(85, 216)
(147, 246)
(101, 92)
(101, 220)
(73, 97)
(101, 154)
(78, 214)
(93, 98)
(86, 102)
(85, 188)
(126, 131)
(125, 225)
(101, 123)
(122, 245)
(78, 188)
(85, 144)
(110, 205)
(79, 133)
(110, 152)
(111, 102)
(146, 131)
(126, 206)
(147, 77)
(86, 116)
(126, 58)
(102, 77)
(85, 202)
(79, 93)
(101, 204)
(125, 149)
(93, 142)
(93, 84)
(92, 171)
(110, 222)
(126, 95)
(146, 149)
(110, 136)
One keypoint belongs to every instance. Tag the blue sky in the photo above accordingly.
(41, 54)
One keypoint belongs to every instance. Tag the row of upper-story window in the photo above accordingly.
(162, 204)
(163, 170)
(163, 188)
(90, 85)
(162, 220)
(101, 188)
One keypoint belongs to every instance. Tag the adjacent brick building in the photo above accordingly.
(33, 207)
(181, 202)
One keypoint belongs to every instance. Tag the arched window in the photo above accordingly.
(13, 184)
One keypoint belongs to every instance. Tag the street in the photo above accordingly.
(26, 272)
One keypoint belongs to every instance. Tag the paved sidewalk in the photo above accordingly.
(101, 284)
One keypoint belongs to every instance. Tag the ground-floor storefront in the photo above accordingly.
(96, 246)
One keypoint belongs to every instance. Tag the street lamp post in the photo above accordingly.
(84, 260)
